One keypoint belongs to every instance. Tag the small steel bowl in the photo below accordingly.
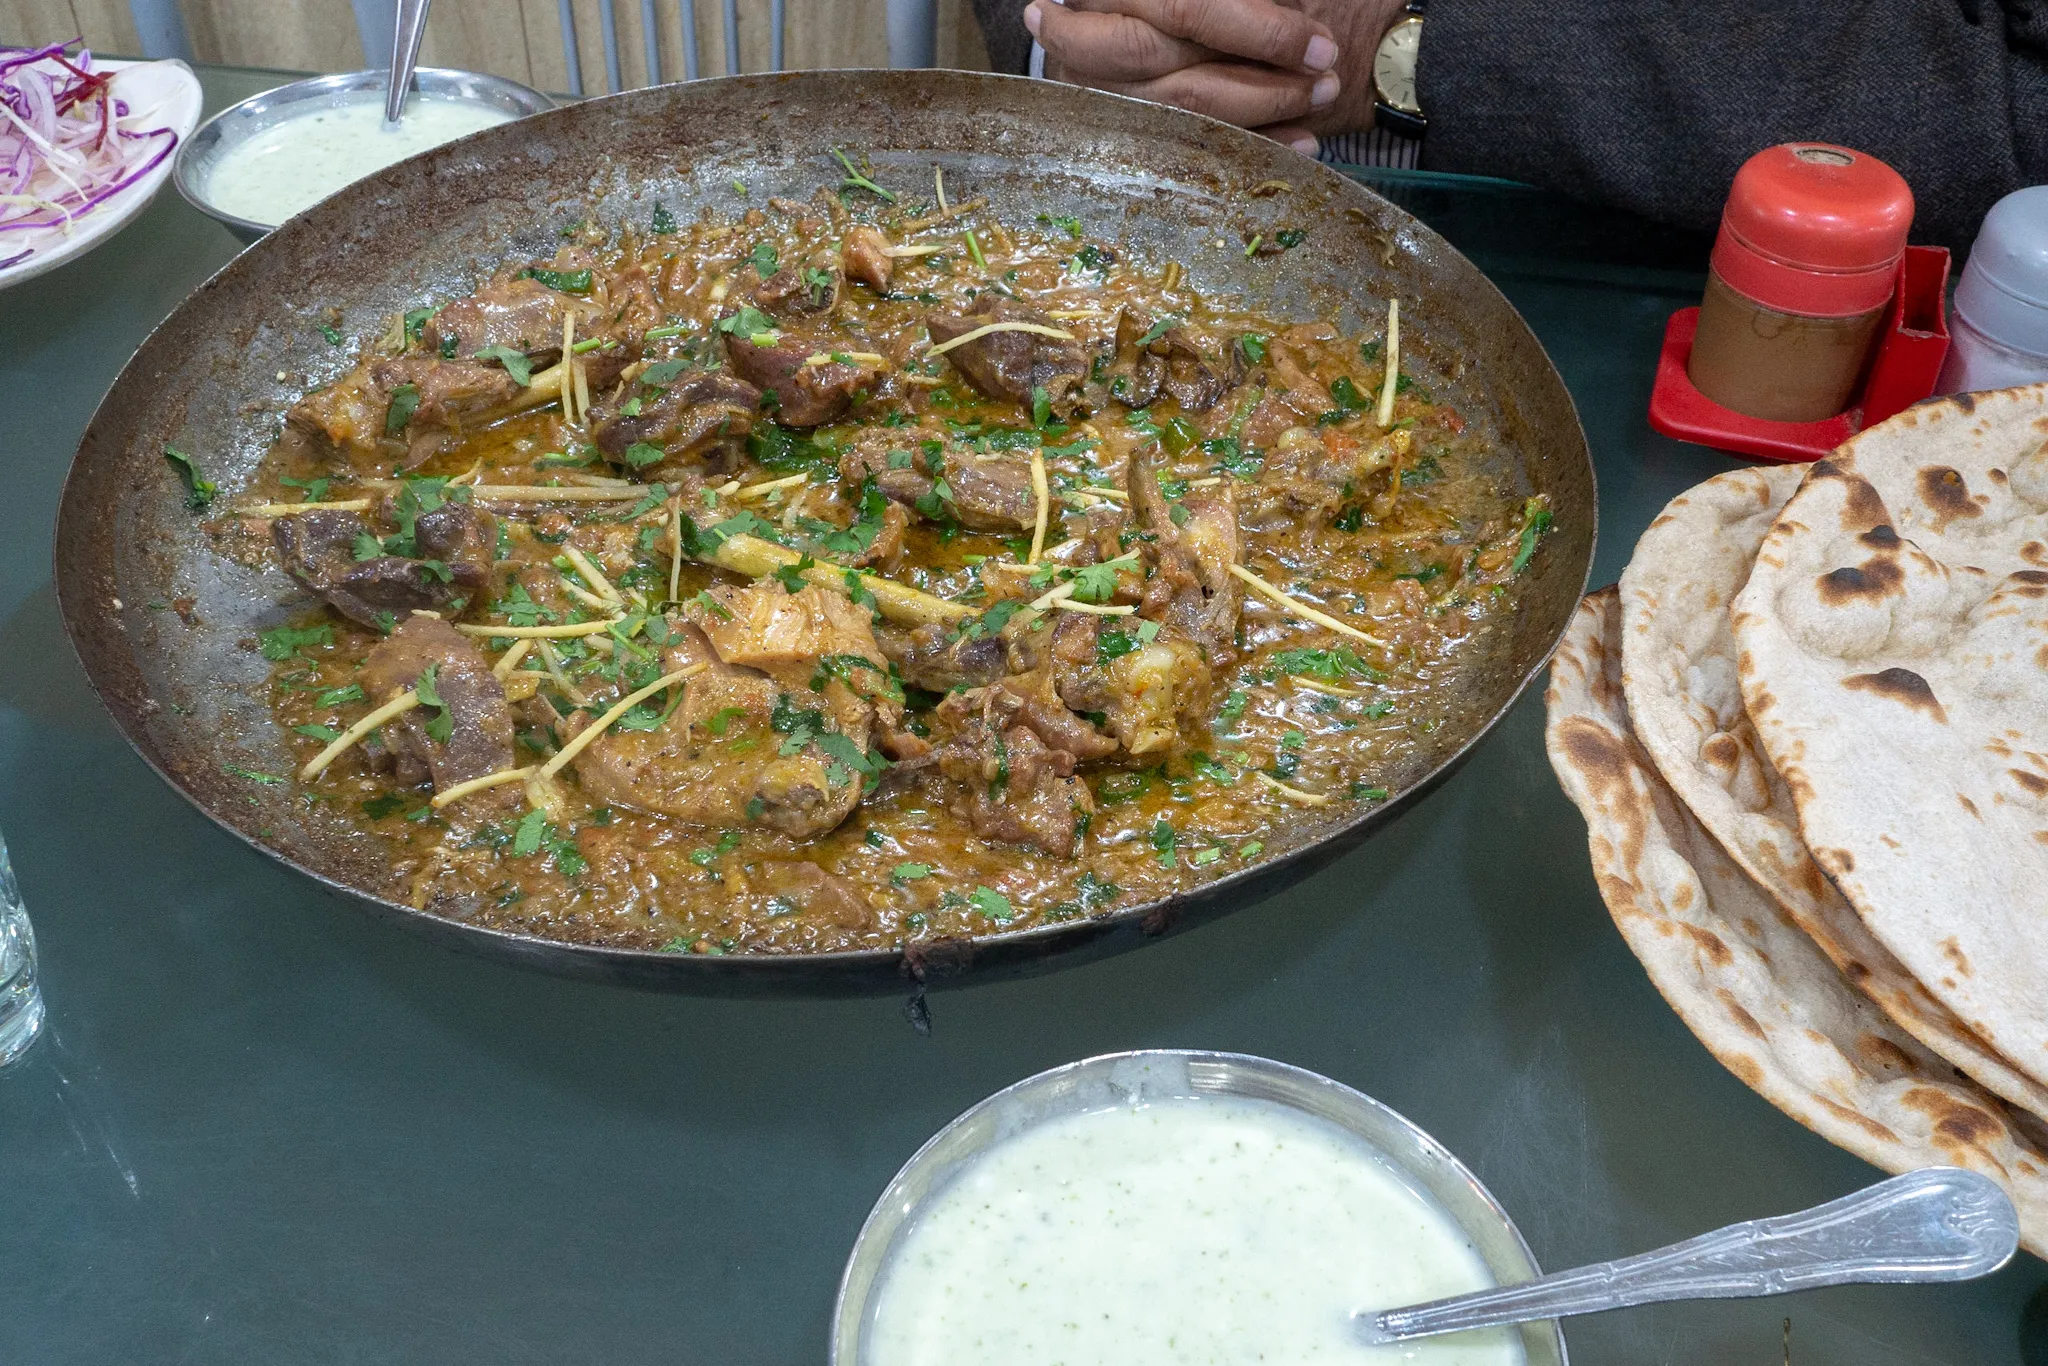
(237, 122)
(1117, 1079)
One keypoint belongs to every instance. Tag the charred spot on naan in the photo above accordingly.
(1953, 951)
(1947, 495)
(1746, 1069)
(1872, 581)
(1711, 946)
(1900, 685)
(1862, 506)
(1744, 1021)
(2026, 583)
(1881, 537)
(2034, 784)
(1857, 1118)
(1882, 1055)
(1957, 1123)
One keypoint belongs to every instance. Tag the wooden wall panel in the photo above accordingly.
(106, 25)
(520, 39)
(294, 35)
(27, 22)
(479, 35)
(960, 43)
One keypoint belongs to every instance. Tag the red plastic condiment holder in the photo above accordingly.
(1910, 350)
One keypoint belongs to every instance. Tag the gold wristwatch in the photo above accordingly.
(1395, 106)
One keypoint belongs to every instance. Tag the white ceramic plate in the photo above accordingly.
(168, 95)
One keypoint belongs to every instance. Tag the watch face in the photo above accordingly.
(1393, 67)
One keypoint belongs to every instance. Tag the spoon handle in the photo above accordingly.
(405, 54)
(1937, 1224)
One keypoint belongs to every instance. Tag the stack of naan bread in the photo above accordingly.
(1809, 735)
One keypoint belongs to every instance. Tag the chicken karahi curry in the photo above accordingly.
(852, 572)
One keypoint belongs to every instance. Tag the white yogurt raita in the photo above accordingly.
(1210, 1231)
(316, 149)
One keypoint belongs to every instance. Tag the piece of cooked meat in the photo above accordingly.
(1310, 476)
(764, 626)
(887, 548)
(982, 492)
(356, 412)
(522, 314)
(1157, 691)
(478, 724)
(1009, 786)
(455, 543)
(992, 492)
(1032, 699)
(717, 761)
(812, 643)
(1171, 363)
(1010, 365)
(932, 657)
(698, 419)
(1191, 585)
(805, 395)
(892, 458)
(808, 286)
(864, 256)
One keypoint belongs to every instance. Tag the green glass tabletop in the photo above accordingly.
(262, 1127)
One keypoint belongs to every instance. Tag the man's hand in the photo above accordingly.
(1249, 62)
(1288, 68)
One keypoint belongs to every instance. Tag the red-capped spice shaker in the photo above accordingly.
(1802, 270)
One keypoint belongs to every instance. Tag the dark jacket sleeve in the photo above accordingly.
(1002, 28)
(1653, 104)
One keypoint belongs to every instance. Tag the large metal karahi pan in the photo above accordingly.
(189, 689)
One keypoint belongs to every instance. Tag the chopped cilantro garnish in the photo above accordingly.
(1158, 330)
(515, 362)
(1536, 519)
(791, 576)
(527, 838)
(199, 490)
(1253, 346)
(1332, 665)
(727, 842)
(405, 401)
(641, 454)
(663, 221)
(992, 904)
(567, 281)
(764, 259)
(857, 181)
(1232, 708)
(442, 726)
(284, 641)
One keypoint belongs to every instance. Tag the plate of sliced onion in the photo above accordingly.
(85, 144)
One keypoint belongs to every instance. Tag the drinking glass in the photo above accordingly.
(21, 1002)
